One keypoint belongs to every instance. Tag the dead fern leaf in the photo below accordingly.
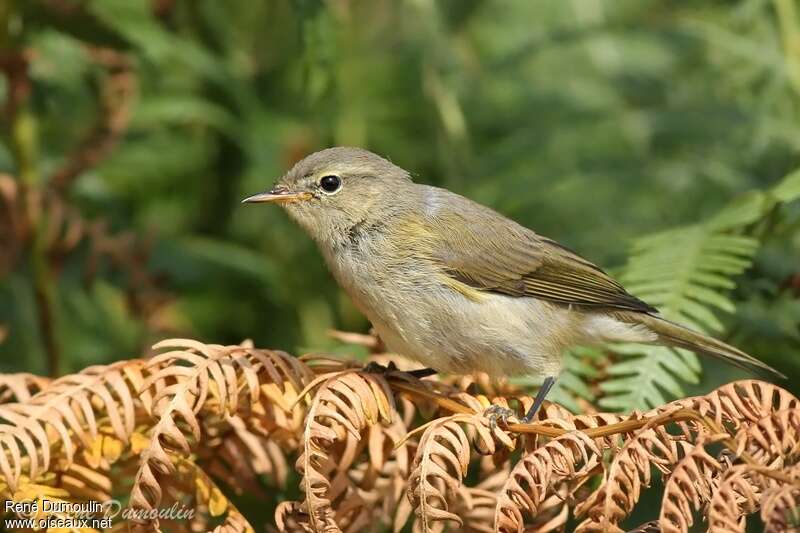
(534, 477)
(734, 407)
(690, 486)
(742, 402)
(243, 454)
(20, 387)
(344, 406)
(67, 411)
(441, 463)
(628, 473)
(194, 377)
(773, 440)
(737, 495)
(781, 509)
(354, 433)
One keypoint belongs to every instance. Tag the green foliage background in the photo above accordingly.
(596, 123)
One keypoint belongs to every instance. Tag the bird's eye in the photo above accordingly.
(330, 184)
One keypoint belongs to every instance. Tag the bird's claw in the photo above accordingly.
(498, 413)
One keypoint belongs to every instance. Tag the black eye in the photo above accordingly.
(330, 183)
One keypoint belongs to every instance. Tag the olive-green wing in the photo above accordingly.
(489, 252)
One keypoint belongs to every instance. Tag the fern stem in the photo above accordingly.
(539, 428)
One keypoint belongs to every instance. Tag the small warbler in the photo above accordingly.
(457, 286)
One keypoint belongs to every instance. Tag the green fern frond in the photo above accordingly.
(687, 274)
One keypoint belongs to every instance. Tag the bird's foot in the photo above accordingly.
(376, 368)
(499, 415)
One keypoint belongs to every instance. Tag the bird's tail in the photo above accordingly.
(673, 334)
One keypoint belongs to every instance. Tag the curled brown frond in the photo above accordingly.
(742, 402)
(630, 471)
(781, 509)
(345, 405)
(773, 440)
(20, 387)
(771, 449)
(536, 476)
(443, 456)
(244, 453)
(197, 377)
(67, 411)
(202, 425)
(737, 495)
(690, 485)
(733, 407)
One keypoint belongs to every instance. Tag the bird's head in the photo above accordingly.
(333, 190)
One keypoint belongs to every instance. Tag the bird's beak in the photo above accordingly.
(278, 195)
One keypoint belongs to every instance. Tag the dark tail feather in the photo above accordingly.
(679, 336)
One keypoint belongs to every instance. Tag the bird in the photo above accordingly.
(459, 287)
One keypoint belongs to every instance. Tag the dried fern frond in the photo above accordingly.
(773, 440)
(443, 455)
(733, 407)
(209, 498)
(738, 494)
(201, 423)
(197, 377)
(628, 473)
(781, 509)
(241, 455)
(68, 412)
(536, 476)
(742, 402)
(20, 387)
(690, 485)
(345, 405)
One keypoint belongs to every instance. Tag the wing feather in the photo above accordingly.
(489, 252)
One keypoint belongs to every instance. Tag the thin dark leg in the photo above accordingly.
(540, 396)
(422, 372)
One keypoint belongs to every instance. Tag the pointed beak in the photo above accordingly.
(278, 195)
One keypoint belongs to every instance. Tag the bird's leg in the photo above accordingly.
(537, 402)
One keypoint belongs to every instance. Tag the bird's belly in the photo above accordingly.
(496, 334)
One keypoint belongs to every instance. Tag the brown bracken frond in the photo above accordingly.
(691, 484)
(198, 377)
(201, 424)
(443, 457)
(67, 412)
(781, 509)
(20, 387)
(572, 456)
(734, 408)
(738, 493)
(346, 405)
